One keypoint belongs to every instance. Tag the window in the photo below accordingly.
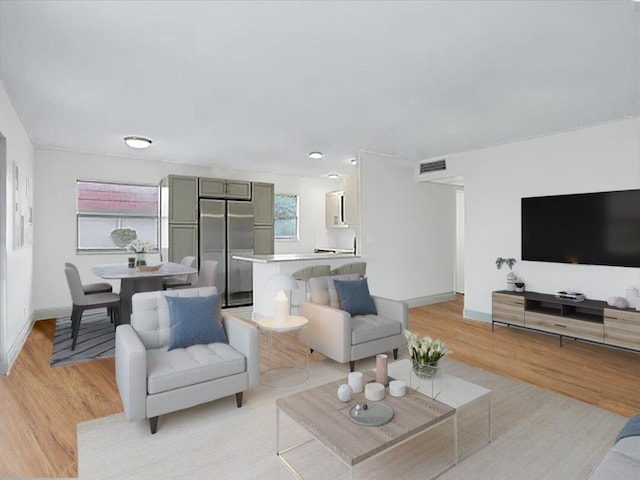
(112, 215)
(286, 219)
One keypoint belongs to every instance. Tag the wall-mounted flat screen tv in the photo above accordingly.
(590, 228)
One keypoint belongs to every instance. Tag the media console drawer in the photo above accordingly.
(565, 326)
(622, 328)
(508, 308)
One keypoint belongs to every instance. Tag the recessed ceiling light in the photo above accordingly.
(136, 141)
(353, 161)
(316, 155)
(333, 175)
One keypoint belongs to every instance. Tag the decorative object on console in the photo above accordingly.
(631, 295)
(425, 354)
(345, 393)
(621, 303)
(281, 282)
(511, 278)
(519, 285)
(611, 301)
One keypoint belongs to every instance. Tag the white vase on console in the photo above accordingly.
(511, 281)
(632, 297)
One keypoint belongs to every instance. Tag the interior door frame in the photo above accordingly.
(4, 363)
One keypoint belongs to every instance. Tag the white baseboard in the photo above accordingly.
(475, 315)
(14, 350)
(54, 312)
(430, 299)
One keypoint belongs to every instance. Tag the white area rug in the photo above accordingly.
(536, 435)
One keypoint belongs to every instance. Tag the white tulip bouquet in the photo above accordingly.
(425, 350)
(139, 246)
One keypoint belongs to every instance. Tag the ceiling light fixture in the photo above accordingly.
(138, 142)
(316, 155)
(353, 161)
(333, 175)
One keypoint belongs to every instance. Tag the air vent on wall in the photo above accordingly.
(433, 166)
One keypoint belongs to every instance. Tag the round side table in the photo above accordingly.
(286, 375)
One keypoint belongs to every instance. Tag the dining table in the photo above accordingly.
(133, 280)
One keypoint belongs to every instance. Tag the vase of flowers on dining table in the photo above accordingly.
(140, 248)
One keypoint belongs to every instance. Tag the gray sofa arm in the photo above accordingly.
(393, 310)
(244, 337)
(131, 372)
(329, 330)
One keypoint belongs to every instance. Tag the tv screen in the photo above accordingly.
(590, 228)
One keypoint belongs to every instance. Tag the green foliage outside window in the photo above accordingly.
(286, 216)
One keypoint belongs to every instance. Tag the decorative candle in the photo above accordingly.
(381, 369)
(281, 307)
(397, 388)
(356, 381)
(374, 391)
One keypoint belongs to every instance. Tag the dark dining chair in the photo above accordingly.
(82, 301)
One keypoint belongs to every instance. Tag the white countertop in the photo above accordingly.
(293, 257)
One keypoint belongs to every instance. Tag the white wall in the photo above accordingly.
(408, 231)
(599, 158)
(56, 173)
(18, 310)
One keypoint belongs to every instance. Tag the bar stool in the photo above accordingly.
(356, 267)
(310, 272)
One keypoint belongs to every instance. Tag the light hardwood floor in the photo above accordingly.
(42, 405)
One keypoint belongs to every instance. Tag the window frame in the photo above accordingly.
(118, 217)
(295, 237)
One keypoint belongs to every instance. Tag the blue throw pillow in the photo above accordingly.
(354, 297)
(195, 320)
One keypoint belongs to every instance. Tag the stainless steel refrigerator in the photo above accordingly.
(226, 229)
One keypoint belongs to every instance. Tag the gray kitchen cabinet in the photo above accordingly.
(221, 188)
(212, 187)
(263, 240)
(263, 203)
(183, 242)
(238, 189)
(183, 199)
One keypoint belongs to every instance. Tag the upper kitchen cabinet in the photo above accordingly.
(221, 188)
(263, 203)
(182, 198)
(263, 211)
(335, 210)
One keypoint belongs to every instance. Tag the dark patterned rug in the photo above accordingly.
(96, 339)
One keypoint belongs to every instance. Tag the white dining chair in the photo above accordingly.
(207, 274)
(180, 281)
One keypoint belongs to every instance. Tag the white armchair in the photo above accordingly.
(153, 380)
(343, 338)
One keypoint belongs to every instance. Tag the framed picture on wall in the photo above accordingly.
(22, 209)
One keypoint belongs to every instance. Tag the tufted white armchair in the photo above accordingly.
(343, 338)
(153, 381)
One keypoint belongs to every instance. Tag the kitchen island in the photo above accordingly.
(264, 266)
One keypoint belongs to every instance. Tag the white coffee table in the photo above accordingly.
(472, 403)
(283, 375)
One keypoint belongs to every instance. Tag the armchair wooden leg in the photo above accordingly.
(239, 399)
(352, 366)
(153, 424)
(395, 353)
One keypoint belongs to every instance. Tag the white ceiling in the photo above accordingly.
(258, 85)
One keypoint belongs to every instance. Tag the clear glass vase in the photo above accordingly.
(141, 259)
(425, 370)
